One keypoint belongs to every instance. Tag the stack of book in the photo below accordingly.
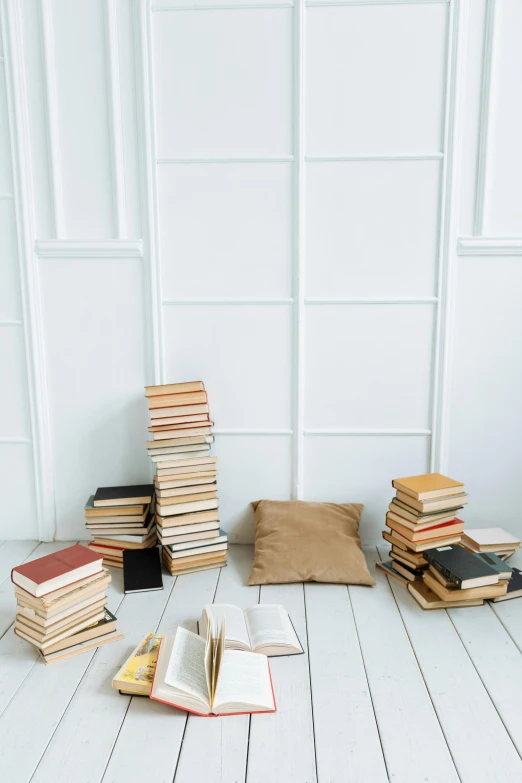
(120, 518)
(495, 540)
(61, 603)
(422, 515)
(187, 516)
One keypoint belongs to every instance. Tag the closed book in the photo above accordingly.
(413, 557)
(205, 493)
(197, 550)
(189, 559)
(428, 534)
(177, 410)
(405, 510)
(430, 600)
(461, 567)
(177, 400)
(185, 480)
(185, 440)
(107, 624)
(418, 522)
(42, 642)
(181, 546)
(123, 496)
(416, 546)
(514, 587)
(489, 539)
(203, 536)
(57, 570)
(182, 530)
(174, 388)
(451, 502)
(78, 649)
(166, 420)
(189, 462)
(159, 437)
(187, 519)
(142, 570)
(67, 594)
(128, 513)
(408, 563)
(137, 673)
(408, 572)
(183, 429)
(390, 571)
(194, 569)
(454, 593)
(504, 571)
(129, 541)
(428, 485)
(173, 509)
(169, 455)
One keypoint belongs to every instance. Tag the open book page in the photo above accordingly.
(244, 684)
(186, 670)
(269, 627)
(236, 629)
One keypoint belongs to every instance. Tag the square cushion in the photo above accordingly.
(308, 542)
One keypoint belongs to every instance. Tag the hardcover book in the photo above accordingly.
(461, 567)
(263, 628)
(453, 593)
(123, 496)
(174, 388)
(137, 673)
(141, 570)
(50, 573)
(514, 587)
(428, 485)
(430, 600)
(489, 539)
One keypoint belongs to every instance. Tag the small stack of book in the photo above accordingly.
(61, 603)
(187, 516)
(491, 539)
(120, 518)
(422, 515)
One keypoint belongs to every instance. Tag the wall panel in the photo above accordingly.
(6, 177)
(18, 518)
(10, 304)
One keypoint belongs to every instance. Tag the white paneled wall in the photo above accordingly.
(269, 197)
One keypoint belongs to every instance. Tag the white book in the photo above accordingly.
(263, 628)
(184, 545)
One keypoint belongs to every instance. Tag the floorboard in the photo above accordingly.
(481, 748)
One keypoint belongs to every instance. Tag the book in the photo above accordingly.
(66, 595)
(177, 400)
(174, 388)
(169, 455)
(430, 600)
(514, 587)
(134, 530)
(504, 571)
(415, 558)
(51, 572)
(416, 546)
(129, 541)
(178, 410)
(141, 570)
(188, 463)
(121, 514)
(137, 673)
(454, 593)
(191, 561)
(418, 522)
(107, 624)
(438, 531)
(42, 641)
(428, 485)
(180, 431)
(123, 496)
(83, 647)
(407, 563)
(166, 420)
(220, 537)
(207, 549)
(51, 619)
(412, 514)
(408, 572)
(489, 539)
(461, 567)
(451, 502)
(203, 536)
(200, 676)
(173, 509)
(263, 628)
(188, 530)
(184, 491)
(193, 497)
(179, 571)
(389, 570)
(155, 447)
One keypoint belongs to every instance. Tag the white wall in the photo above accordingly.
(270, 199)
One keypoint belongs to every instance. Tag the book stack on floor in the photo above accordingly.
(423, 514)
(187, 515)
(495, 540)
(121, 518)
(61, 603)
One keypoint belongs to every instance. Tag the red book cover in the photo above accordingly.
(437, 531)
(57, 564)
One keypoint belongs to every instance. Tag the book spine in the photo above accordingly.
(446, 572)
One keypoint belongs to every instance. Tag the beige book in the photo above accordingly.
(194, 569)
(177, 410)
(187, 519)
(435, 504)
(168, 420)
(113, 563)
(197, 550)
(426, 534)
(421, 546)
(61, 598)
(43, 642)
(166, 456)
(171, 435)
(418, 523)
(174, 388)
(185, 480)
(430, 600)
(186, 440)
(48, 617)
(118, 514)
(177, 400)
(416, 558)
(91, 644)
(106, 625)
(489, 539)
(191, 463)
(453, 593)
(408, 563)
(405, 570)
(173, 509)
(189, 562)
(193, 489)
(428, 485)
(205, 493)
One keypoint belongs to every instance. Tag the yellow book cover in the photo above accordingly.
(137, 673)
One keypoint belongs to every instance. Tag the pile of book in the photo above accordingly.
(187, 515)
(422, 515)
(61, 603)
(491, 539)
(120, 518)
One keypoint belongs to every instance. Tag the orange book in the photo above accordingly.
(429, 534)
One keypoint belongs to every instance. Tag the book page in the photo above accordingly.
(236, 629)
(219, 649)
(244, 682)
(186, 668)
(269, 624)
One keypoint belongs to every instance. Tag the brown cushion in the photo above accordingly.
(308, 542)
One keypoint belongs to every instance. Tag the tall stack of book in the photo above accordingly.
(422, 515)
(187, 515)
(61, 603)
(120, 518)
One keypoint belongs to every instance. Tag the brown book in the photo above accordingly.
(176, 411)
(121, 514)
(43, 640)
(49, 573)
(428, 485)
(171, 435)
(104, 626)
(192, 498)
(67, 594)
(415, 558)
(194, 569)
(417, 546)
(408, 572)
(427, 534)
(390, 571)
(187, 519)
(453, 593)
(100, 541)
(182, 425)
(430, 600)
(177, 400)
(185, 480)
(158, 423)
(418, 522)
(451, 502)
(174, 388)
(174, 509)
(90, 644)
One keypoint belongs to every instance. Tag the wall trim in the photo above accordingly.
(52, 116)
(326, 3)
(246, 431)
(489, 246)
(159, 7)
(15, 441)
(372, 431)
(109, 248)
(6, 196)
(115, 123)
(372, 300)
(448, 237)
(11, 323)
(376, 158)
(225, 301)
(183, 161)
(11, 23)
(484, 117)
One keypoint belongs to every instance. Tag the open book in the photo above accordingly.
(200, 676)
(264, 628)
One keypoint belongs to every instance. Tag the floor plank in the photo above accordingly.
(13, 553)
(17, 656)
(510, 612)
(281, 746)
(413, 743)
(160, 727)
(214, 750)
(481, 749)
(347, 741)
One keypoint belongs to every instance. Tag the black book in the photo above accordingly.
(461, 567)
(137, 494)
(141, 570)
(514, 587)
(504, 571)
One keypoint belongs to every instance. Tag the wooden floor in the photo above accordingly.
(385, 692)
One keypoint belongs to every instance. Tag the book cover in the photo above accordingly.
(137, 672)
(141, 570)
(461, 567)
(428, 485)
(514, 587)
(118, 496)
(44, 570)
(504, 571)
(174, 388)
(491, 537)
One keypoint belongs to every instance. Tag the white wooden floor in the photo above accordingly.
(385, 692)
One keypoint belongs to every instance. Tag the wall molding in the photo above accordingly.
(246, 431)
(439, 451)
(11, 323)
(183, 161)
(341, 3)
(489, 246)
(370, 158)
(11, 23)
(52, 116)
(109, 248)
(159, 7)
(225, 301)
(372, 300)
(115, 123)
(369, 432)
(16, 441)
(484, 117)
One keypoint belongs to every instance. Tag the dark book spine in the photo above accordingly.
(446, 572)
